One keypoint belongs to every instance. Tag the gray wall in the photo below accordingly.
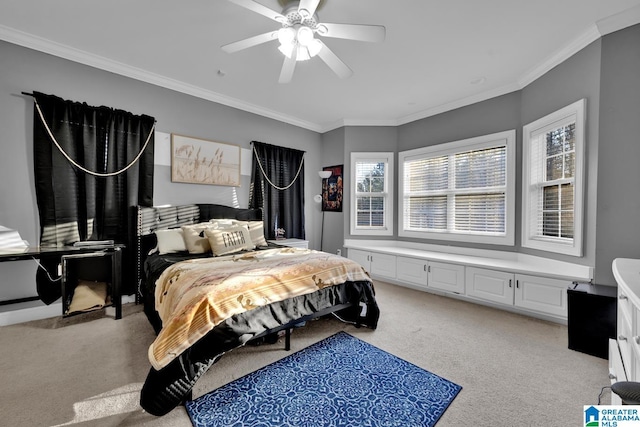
(576, 78)
(617, 234)
(367, 139)
(26, 70)
(333, 154)
(483, 118)
(607, 74)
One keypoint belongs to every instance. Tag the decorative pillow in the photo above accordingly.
(194, 238)
(225, 241)
(222, 223)
(170, 241)
(256, 231)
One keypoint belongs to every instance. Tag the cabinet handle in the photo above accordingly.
(425, 267)
(509, 282)
(622, 296)
(622, 338)
(429, 269)
(518, 284)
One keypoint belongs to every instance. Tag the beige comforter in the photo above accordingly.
(194, 296)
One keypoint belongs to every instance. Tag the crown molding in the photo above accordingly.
(463, 102)
(66, 52)
(619, 21)
(602, 27)
(567, 51)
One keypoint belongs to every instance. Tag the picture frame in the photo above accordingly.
(332, 189)
(201, 161)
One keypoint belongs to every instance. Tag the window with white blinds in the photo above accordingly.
(553, 181)
(462, 190)
(372, 193)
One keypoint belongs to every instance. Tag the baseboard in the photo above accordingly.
(36, 310)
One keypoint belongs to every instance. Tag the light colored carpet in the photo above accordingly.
(88, 370)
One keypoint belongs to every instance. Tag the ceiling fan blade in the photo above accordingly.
(262, 10)
(286, 74)
(250, 42)
(335, 63)
(307, 8)
(365, 33)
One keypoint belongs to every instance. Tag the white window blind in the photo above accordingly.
(552, 192)
(372, 176)
(460, 190)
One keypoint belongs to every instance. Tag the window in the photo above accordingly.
(552, 179)
(463, 190)
(372, 194)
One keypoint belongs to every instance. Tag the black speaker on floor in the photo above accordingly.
(592, 317)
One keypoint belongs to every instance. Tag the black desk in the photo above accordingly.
(113, 252)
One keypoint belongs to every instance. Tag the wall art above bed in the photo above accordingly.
(199, 161)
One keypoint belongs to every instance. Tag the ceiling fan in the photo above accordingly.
(299, 26)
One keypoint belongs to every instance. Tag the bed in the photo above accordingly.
(203, 303)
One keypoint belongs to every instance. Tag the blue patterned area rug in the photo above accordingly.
(340, 381)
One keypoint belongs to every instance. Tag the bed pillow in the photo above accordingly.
(256, 231)
(226, 241)
(170, 241)
(222, 223)
(194, 238)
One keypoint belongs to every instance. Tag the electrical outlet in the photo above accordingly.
(339, 252)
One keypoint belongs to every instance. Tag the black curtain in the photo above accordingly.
(73, 203)
(282, 208)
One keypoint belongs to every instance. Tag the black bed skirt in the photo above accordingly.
(167, 388)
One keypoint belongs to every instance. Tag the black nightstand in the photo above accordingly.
(100, 264)
(592, 317)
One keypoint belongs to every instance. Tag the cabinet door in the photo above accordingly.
(412, 270)
(383, 265)
(490, 285)
(361, 257)
(541, 294)
(446, 277)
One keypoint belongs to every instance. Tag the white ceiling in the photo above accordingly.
(438, 55)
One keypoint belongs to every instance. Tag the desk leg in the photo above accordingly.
(116, 265)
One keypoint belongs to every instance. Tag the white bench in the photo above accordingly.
(513, 281)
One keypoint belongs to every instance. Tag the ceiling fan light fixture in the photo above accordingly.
(314, 47)
(286, 49)
(286, 35)
(303, 53)
(305, 35)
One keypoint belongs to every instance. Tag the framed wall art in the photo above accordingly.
(199, 161)
(332, 189)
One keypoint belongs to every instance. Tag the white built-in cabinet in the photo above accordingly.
(526, 293)
(431, 274)
(541, 294)
(382, 265)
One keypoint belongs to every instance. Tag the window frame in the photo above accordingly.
(505, 138)
(387, 158)
(573, 113)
